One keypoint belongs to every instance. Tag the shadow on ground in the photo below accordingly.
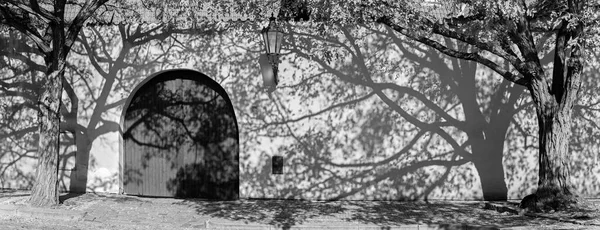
(5, 193)
(397, 213)
(281, 213)
(64, 197)
(288, 213)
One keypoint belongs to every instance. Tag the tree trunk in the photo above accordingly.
(45, 190)
(554, 110)
(554, 191)
(554, 121)
(555, 126)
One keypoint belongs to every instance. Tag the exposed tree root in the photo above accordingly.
(553, 200)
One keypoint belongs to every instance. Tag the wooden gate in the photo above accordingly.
(181, 139)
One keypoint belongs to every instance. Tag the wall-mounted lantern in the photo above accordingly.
(272, 37)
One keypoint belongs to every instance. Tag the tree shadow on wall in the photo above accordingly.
(181, 139)
(97, 73)
(388, 119)
(22, 76)
(368, 114)
(95, 69)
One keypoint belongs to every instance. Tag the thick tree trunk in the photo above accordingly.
(555, 126)
(554, 121)
(554, 103)
(45, 189)
(554, 191)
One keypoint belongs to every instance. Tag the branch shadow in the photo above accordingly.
(287, 214)
(280, 213)
(63, 198)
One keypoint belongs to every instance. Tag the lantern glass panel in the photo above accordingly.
(266, 40)
(278, 43)
(273, 42)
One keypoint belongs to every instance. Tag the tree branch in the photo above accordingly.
(35, 9)
(472, 56)
(86, 12)
(11, 18)
(559, 67)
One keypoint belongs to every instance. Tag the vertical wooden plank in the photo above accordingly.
(152, 174)
(160, 182)
(138, 157)
(125, 162)
(132, 165)
(166, 175)
(129, 150)
(125, 174)
(136, 165)
(149, 183)
(134, 162)
(143, 169)
(164, 181)
(147, 175)
(134, 168)
(199, 161)
(149, 186)
(159, 185)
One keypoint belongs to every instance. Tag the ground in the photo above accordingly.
(110, 211)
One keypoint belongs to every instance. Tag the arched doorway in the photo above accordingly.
(180, 139)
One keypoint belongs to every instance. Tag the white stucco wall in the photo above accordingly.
(347, 120)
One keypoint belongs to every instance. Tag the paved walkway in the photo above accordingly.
(93, 211)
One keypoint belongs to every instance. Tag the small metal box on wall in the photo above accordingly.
(277, 165)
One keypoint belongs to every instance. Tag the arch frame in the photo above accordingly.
(165, 75)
